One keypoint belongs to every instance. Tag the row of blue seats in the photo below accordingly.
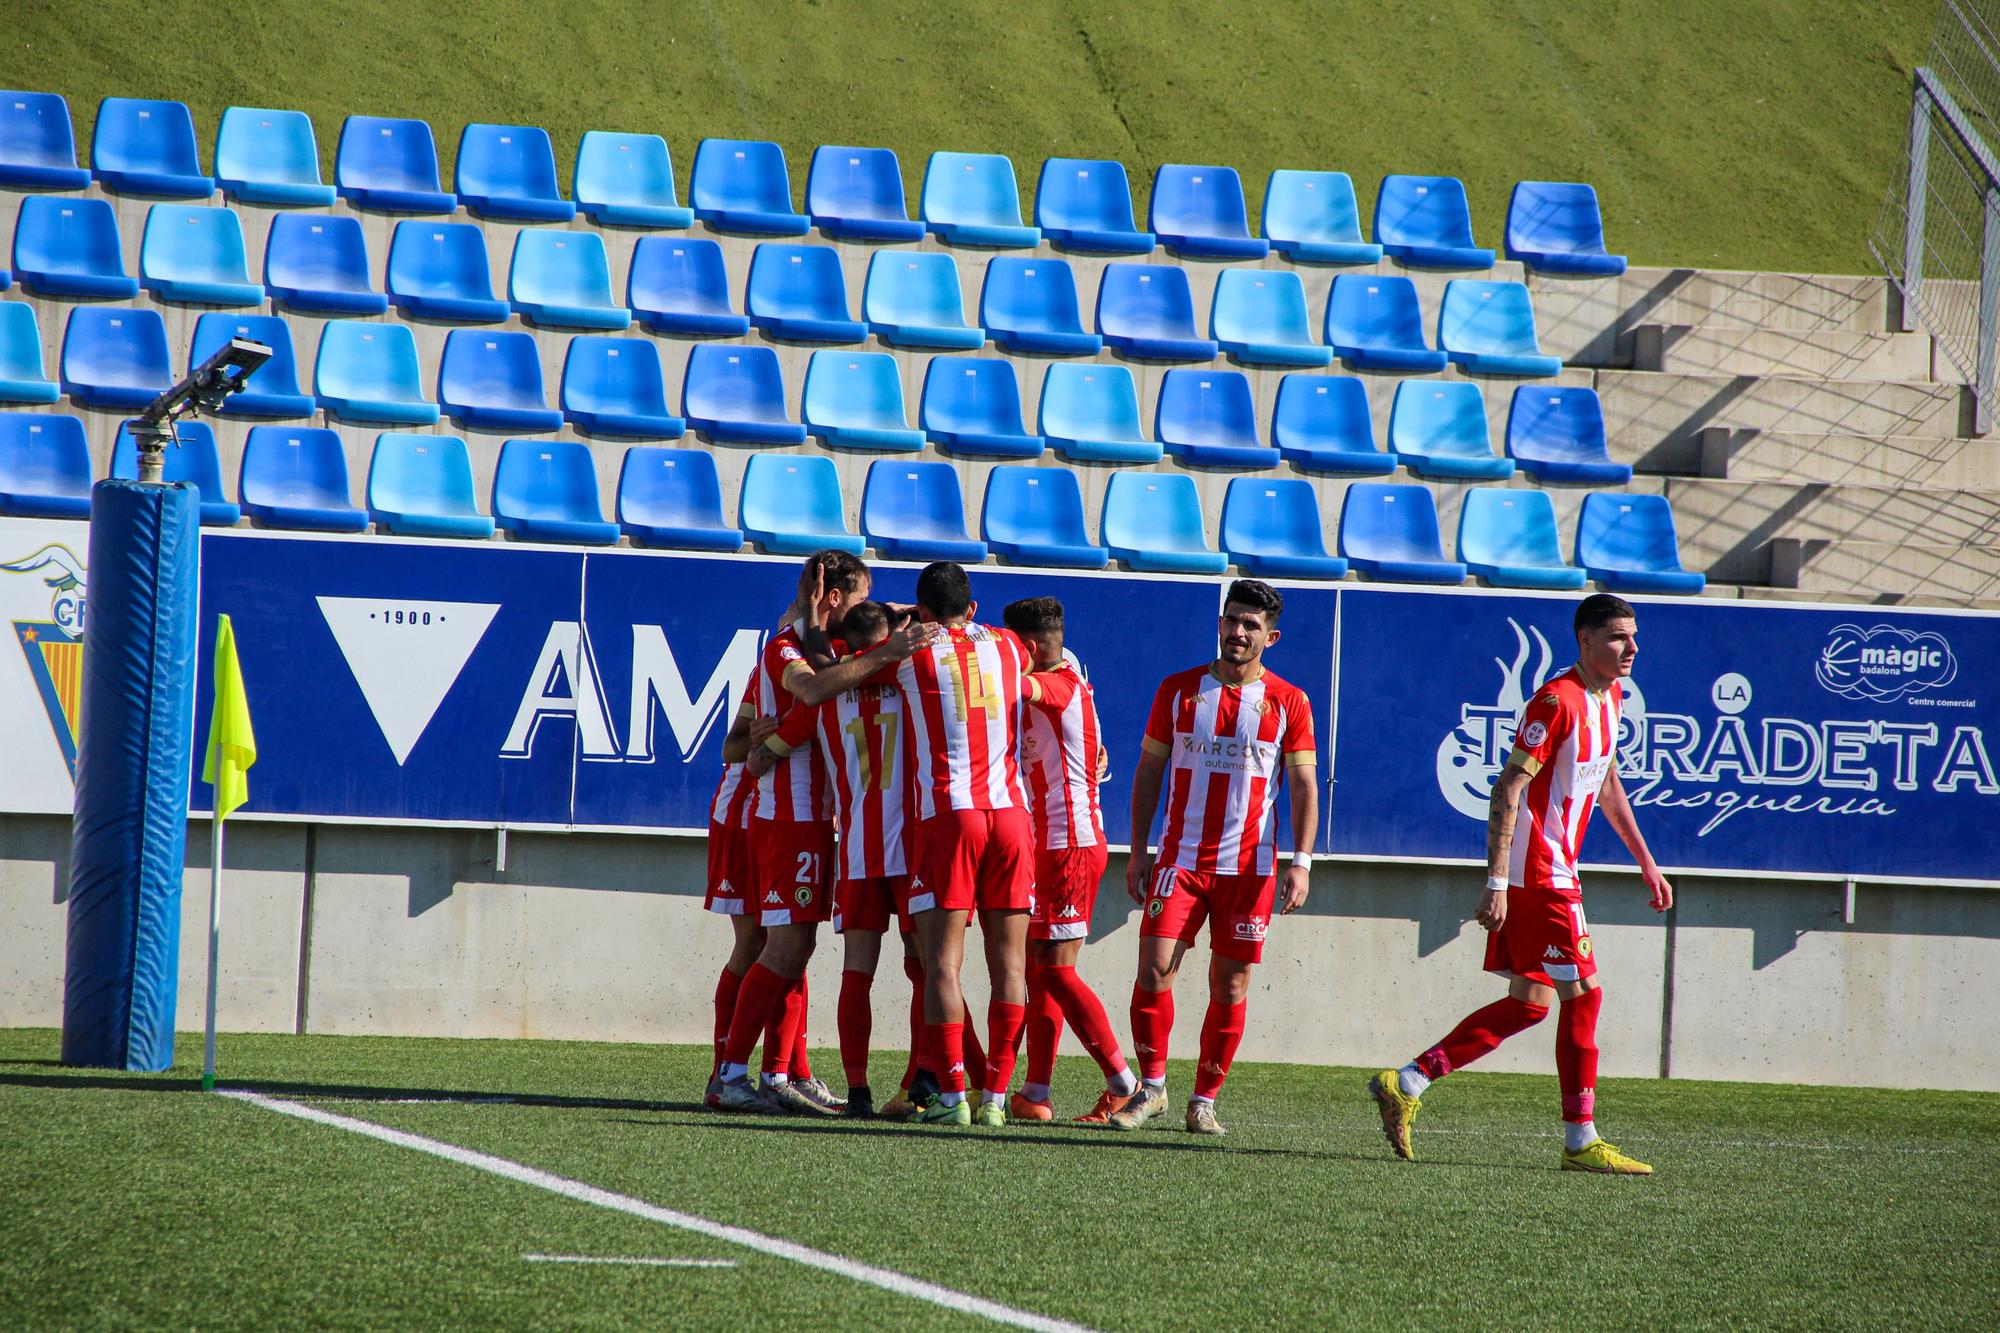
(509, 172)
(117, 358)
(421, 485)
(318, 263)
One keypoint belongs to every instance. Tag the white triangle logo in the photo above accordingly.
(405, 656)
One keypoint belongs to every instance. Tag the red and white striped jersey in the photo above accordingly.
(735, 794)
(1567, 742)
(1060, 743)
(860, 737)
(795, 789)
(962, 691)
(1226, 748)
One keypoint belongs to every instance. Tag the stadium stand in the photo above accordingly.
(682, 286)
(274, 390)
(22, 378)
(1259, 317)
(44, 466)
(115, 356)
(1322, 423)
(737, 395)
(1146, 311)
(1438, 430)
(1556, 435)
(1271, 527)
(38, 143)
(439, 270)
(1199, 213)
(854, 400)
(791, 505)
(421, 486)
(546, 491)
(1208, 418)
(269, 157)
(1152, 521)
(973, 199)
(194, 460)
(741, 185)
(1374, 322)
(1425, 222)
(296, 477)
(317, 263)
(1030, 305)
(563, 279)
(1556, 227)
(1089, 413)
(672, 498)
(856, 194)
(139, 146)
(1489, 329)
(1507, 536)
(617, 387)
(627, 180)
(913, 299)
(492, 380)
(1086, 206)
(1389, 531)
(797, 293)
(389, 165)
(193, 253)
(508, 172)
(369, 372)
(915, 511)
(972, 405)
(1034, 516)
(1628, 543)
(1310, 217)
(69, 247)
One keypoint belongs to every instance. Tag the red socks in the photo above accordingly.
(1045, 1019)
(1576, 1055)
(948, 1050)
(1079, 1004)
(784, 1033)
(976, 1058)
(1221, 1034)
(1005, 1022)
(1482, 1031)
(801, 1066)
(855, 1018)
(1152, 1025)
(726, 987)
(759, 997)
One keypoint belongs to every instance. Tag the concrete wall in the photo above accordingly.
(414, 932)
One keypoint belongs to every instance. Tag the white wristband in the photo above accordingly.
(1496, 884)
(1302, 861)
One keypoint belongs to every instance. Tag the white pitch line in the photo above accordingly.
(635, 1261)
(900, 1284)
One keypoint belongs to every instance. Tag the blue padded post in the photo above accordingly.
(132, 772)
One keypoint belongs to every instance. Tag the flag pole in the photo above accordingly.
(214, 948)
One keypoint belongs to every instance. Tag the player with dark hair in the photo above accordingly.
(1565, 762)
(1221, 738)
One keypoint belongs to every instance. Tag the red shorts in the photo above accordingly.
(966, 859)
(793, 870)
(728, 870)
(1236, 907)
(869, 904)
(1066, 880)
(1543, 939)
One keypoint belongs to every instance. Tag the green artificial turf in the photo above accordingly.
(1754, 134)
(139, 1201)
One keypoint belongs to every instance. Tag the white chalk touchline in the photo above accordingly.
(635, 1261)
(900, 1284)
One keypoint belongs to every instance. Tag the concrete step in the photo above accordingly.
(1731, 349)
(1879, 460)
(1727, 528)
(1889, 573)
(1798, 301)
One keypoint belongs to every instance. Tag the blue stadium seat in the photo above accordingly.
(972, 405)
(114, 356)
(1086, 206)
(318, 263)
(69, 247)
(508, 172)
(915, 511)
(854, 400)
(791, 505)
(1207, 418)
(270, 157)
(798, 293)
(1090, 414)
(1199, 212)
(1390, 531)
(1034, 516)
(369, 372)
(1152, 521)
(1424, 222)
(1259, 317)
(1310, 217)
(22, 379)
(38, 143)
(147, 147)
(274, 390)
(546, 491)
(1507, 536)
(1030, 305)
(1271, 527)
(737, 395)
(389, 165)
(491, 379)
(742, 185)
(1437, 429)
(615, 386)
(1556, 434)
(627, 180)
(1322, 423)
(194, 253)
(421, 486)
(296, 477)
(856, 194)
(682, 286)
(1146, 311)
(1628, 544)
(44, 466)
(563, 278)
(912, 299)
(1489, 329)
(194, 460)
(1374, 321)
(1556, 227)
(439, 270)
(673, 498)
(973, 199)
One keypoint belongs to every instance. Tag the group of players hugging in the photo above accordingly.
(912, 767)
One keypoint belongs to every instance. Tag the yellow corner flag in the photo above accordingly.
(232, 746)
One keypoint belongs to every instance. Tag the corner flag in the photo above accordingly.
(232, 745)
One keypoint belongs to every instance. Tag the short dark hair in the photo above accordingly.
(944, 590)
(842, 570)
(864, 620)
(1034, 615)
(1259, 596)
(1600, 609)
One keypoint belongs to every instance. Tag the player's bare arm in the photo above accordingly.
(1145, 803)
(1304, 781)
(1500, 815)
(1618, 813)
(810, 686)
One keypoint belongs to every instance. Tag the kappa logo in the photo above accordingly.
(1069, 911)
(725, 889)
(54, 647)
(1552, 952)
(771, 896)
(1884, 662)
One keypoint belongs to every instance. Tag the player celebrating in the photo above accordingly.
(1062, 757)
(1565, 759)
(1223, 736)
